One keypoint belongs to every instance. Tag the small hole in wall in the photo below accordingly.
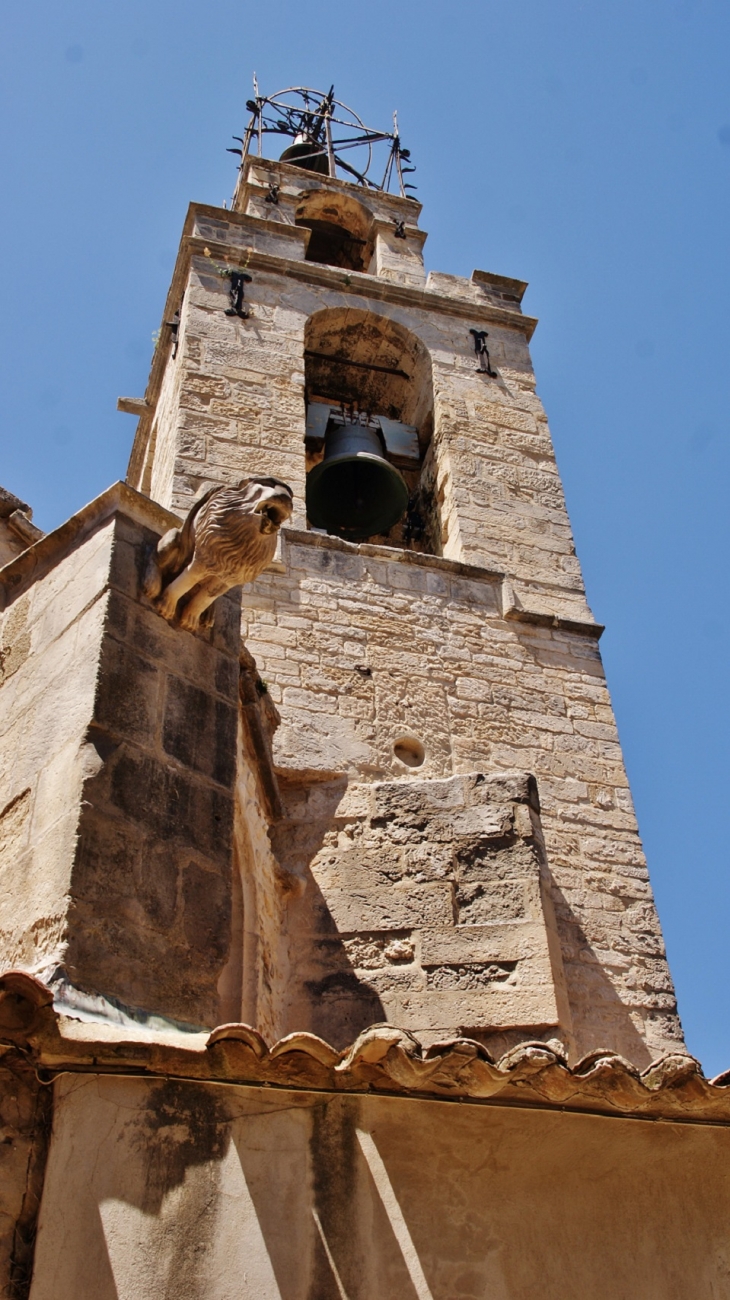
(410, 751)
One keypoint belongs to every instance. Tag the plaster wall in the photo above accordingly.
(25, 1118)
(162, 1189)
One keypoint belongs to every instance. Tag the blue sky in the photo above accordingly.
(584, 147)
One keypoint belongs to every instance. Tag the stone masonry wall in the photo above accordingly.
(427, 905)
(119, 758)
(482, 693)
(51, 644)
(236, 404)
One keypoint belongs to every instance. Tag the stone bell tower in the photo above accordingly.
(445, 838)
(313, 816)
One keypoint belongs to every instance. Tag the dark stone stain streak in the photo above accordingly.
(334, 1154)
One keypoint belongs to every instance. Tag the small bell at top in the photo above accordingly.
(308, 154)
(354, 492)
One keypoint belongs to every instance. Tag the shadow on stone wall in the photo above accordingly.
(327, 997)
(600, 1018)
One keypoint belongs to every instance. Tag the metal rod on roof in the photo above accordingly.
(247, 140)
(260, 109)
(396, 153)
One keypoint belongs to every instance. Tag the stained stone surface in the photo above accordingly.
(385, 844)
(482, 692)
(118, 766)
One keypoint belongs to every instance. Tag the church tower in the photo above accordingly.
(456, 851)
(330, 967)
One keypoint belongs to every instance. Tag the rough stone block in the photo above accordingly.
(422, 893)
(200, 731)
(390, 908)
(128, 693)
(170, 804)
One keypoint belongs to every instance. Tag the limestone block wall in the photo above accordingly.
(165, 1188)
(425, 904)
(51, 645)
(363, 645)
(118, 768)
(239, 408)
(300, 194)
(398, 257)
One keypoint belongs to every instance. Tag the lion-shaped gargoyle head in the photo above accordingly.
(228, 537)
(270, 498)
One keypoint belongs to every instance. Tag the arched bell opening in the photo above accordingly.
(341, 229)
(369, 396)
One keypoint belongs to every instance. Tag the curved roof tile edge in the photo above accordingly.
(382, 1060)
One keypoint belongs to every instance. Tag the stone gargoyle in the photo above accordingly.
(228, 538)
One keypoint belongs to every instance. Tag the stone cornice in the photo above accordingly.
(301, 181)
(392, 554)
(38, 559)
(33, 563)
(504, 282)
(383, 1060)
(362, 285)
(457, 568)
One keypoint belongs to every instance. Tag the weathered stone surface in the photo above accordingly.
(373, 884)
(228, 537)
(483, 652)
(383, 1058)
(480, 692)
(17, 531)
(117, 767)
(200, 731)
(392, 924)
(155, 1183)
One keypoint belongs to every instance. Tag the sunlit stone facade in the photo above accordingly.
(276, 894)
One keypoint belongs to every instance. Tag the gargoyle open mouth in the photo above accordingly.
(273, 513)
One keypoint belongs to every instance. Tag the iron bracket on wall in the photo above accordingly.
(239, 280)
(482, 353)
(400, 228)
(174, 327)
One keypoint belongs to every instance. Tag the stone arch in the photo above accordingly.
(377, 370)
(341, 226)
(370, 361)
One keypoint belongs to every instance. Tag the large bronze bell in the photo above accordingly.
(307, 154)
(355, 492)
